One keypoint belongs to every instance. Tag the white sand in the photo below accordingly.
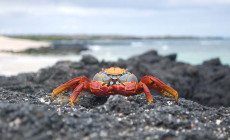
(13, 44)
(12, 64)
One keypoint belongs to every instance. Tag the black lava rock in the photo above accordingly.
(118, 117)
(150, 57)
(26, 112)
(212, 62)
(56, 49)
(88, 59)
(171, 57)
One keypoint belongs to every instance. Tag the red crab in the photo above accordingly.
(113, 81)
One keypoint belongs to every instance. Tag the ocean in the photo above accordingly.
(192, 51)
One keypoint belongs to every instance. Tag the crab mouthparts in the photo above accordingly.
(113, 82)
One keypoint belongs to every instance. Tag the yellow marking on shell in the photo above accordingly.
(114, 70)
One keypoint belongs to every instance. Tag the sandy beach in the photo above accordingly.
(12, 64)
(13, 44)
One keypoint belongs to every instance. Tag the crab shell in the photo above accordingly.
(113, 76)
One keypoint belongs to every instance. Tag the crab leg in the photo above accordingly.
(147, 93)
(65, 87)
(75, 93)
(154, 83)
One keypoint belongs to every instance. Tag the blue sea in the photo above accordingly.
(192, 51)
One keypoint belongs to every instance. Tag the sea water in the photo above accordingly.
(192, 51)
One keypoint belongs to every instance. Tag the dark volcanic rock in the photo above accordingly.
(88, 59)
(118, 117)
(26, 112)
(207, 84)
(213, 62)
(57, 49)
(171, 57)
(150, 57)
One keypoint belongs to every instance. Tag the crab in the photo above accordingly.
(115, 80)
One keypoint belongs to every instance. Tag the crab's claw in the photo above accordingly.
(154, 83)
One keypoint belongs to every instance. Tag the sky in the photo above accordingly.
(117, 17)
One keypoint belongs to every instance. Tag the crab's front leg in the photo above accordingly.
(154, 83)
(140, 87)
(77, 83)
(94, 87)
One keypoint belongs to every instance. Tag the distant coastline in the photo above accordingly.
(103, 37)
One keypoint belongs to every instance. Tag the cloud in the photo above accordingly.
(139, 8)
(59, 10)
(121, 12)
(197, 2)
(144, 17)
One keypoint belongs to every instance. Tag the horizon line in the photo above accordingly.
(115, 35)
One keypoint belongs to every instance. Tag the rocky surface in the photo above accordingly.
(26, 113)
(207, 84)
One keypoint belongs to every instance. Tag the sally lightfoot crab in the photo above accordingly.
(113, 81)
